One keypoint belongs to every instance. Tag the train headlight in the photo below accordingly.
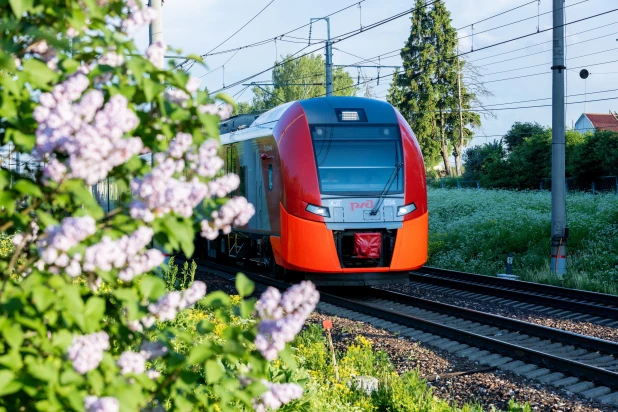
(318, 210)
(404, 210)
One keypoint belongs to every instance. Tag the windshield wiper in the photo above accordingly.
(390, 182)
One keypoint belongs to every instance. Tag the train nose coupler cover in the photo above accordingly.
(367, 245)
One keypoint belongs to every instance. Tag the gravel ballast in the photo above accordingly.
(491, 389)
(502, 309)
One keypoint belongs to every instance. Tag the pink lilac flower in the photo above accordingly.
(60, 239)
(278, 394)
(177, 96)
(86, 352)
(224, 112)
(236, 212)
(40, 48)
(90, 134)
(131, 362)
(125, 253)
(282, 317)
(180, 145)
(72, 33)
(153, 374)
(138, 17)
(159, 193)
(153, 350)
(224, 185)
(111, 58)
(30, 237)
(205, 162)
(168, 305)
(105, 404)
(156, 53)
(192, 85)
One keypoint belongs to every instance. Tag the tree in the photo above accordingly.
(412, 91)
(243, 108)
(428, 91)
(520, 132)
(298, 79)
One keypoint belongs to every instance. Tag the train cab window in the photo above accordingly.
(270, 176)
(359, 159)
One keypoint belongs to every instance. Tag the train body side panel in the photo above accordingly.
(298, 169)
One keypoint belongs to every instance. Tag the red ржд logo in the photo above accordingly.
(364, 205)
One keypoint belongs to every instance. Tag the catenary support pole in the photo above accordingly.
(329, 60)
(329, 55)
(155, 34)
(559, 230)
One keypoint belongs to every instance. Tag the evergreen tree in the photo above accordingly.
(412, 91)
(427, 93)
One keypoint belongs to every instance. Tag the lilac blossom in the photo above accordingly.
(90, 134)
(193, 84)
(236, 212)
(180, 145)
(131, 362)
(153, 374)
(105, 404)
(139, 16)
(30, 237)
(125, 254)
(86, 352)
(224, 112)
(224, 185)
(168, 305)
(111, 58)
(177, 96)
(205, 162)
(278, 394)
(156, 53)
(282, 317)
(58, 240)
(153, 350)
(72, 33)
(159, 193)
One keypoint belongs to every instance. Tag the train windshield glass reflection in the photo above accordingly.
(357, 159)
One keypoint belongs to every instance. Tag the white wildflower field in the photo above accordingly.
(474, 230)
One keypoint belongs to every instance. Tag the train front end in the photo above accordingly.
(354, 201)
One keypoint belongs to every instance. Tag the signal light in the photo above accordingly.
(350, 116)
(404, 210)
(318, 210)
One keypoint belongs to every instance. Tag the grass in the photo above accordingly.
(475, 230)
(396, 393)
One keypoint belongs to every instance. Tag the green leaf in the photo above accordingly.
(7, 383)
(205, 327)
(214, 371)
(5, 179)
(43, 371)
(216, 299)
(182, 231)
(70, 377)
(244, 285)
(151, 89)
(225, 97)
(74, 304)
(38, 72)
(24, 142)
(199, 354)
(287, 357)
(14, 335)
(20, 6)
(95, 309)
(12, 360)
(246, 308)
(42, 297)
(28, 187)
(152, 287)
(62, 339)
(96, 381)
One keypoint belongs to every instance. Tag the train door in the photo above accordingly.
(259, 182)
(230, 162)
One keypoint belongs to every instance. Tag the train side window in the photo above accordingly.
(270, 176)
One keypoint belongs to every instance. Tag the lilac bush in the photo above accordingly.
(85, 324)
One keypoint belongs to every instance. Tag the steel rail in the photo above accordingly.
(589, 372)
(591, 303)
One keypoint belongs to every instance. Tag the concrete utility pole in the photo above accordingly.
(329, 56)
(559, 230)
(155, 32)
(461, 136)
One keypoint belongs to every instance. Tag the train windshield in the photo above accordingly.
(358, 159)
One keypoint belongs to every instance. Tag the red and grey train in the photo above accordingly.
(338, 185)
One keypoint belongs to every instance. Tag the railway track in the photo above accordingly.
(579, 364)
(565, 303)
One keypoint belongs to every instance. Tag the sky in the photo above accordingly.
(198, 26)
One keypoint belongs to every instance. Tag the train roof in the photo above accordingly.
(319, 110)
